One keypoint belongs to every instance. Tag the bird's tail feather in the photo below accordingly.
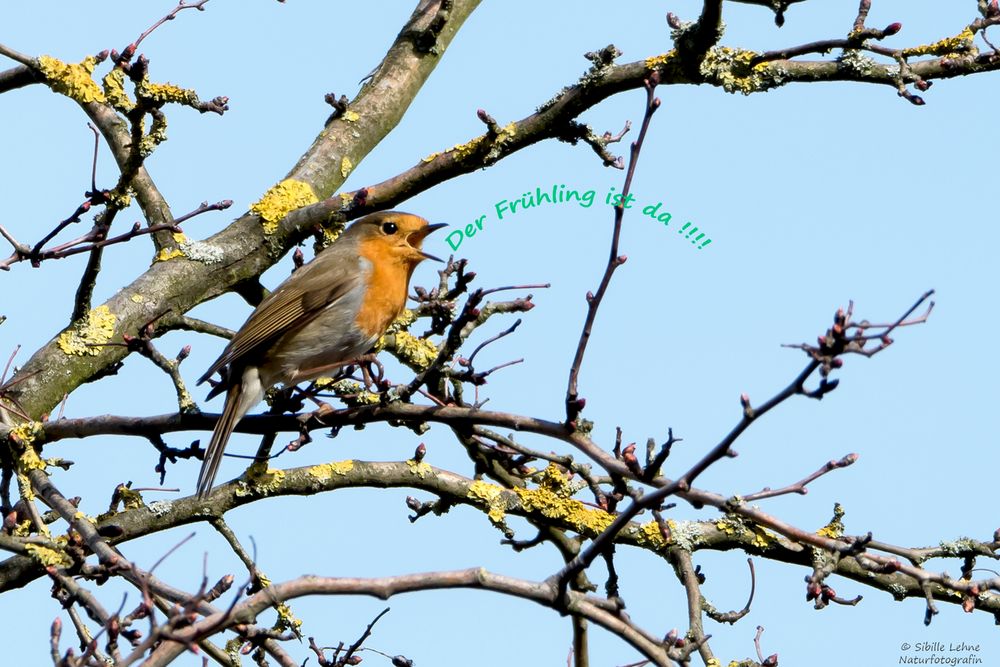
(231, 413)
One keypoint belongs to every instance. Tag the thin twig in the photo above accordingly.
(573, 406)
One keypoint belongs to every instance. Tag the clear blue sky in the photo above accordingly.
(812, 195)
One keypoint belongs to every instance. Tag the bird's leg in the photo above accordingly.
(366, 363)
(303, 439)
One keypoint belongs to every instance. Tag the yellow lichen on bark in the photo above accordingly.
(490, 496)
(835, 528)
(746, 530)
(114, 90)
(418, 353)
(419, 468)
(552, 500)
(72, 79)
(166, 92)
(89, 334)
(260, 479)
(24, 434)
(963, 41)
(325, 472)
(281, 200)
(48, 557)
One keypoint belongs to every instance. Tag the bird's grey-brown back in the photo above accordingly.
(332, 275)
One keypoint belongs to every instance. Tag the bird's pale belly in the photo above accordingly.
(313, 350)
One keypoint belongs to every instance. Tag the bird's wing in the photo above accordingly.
(286, 309)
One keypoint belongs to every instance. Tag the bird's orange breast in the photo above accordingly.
(385, 289)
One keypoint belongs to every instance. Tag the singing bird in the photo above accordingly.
(322, 317)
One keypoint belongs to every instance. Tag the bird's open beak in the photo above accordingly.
(427, 230)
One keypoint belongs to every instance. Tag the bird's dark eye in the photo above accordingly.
(389, 227)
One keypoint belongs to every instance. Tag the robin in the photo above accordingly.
(322, 317)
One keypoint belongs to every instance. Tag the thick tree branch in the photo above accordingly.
(592, 608)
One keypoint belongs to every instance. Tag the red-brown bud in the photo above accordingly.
(813, 591)
(420, 452)
(893, 28)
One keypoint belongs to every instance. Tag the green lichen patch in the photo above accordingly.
(504, 137)
(281, 200)
(89, 333)
(855, 61)
(403, 322)
(350, 392)
(72, 79)
(496, 142)
(735, 71)
(287, 621)
(835, 528)
(114, 90)
(417, 353)
(960, 547)
(48, 557)
(157, 135)
(164, 93)
(746, 531)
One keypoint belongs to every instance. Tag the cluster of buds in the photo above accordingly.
(673, 639)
